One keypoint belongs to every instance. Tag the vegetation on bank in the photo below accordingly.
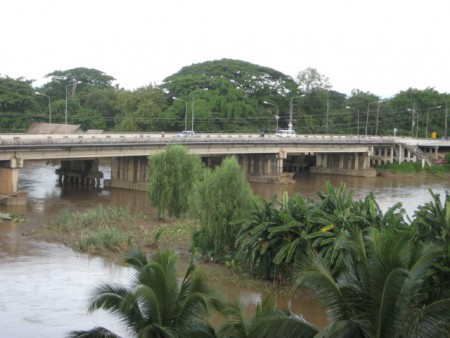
(413, 168)
(378, 274)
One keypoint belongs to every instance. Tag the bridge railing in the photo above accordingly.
(143, 139)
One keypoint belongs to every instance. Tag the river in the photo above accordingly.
(45, 286)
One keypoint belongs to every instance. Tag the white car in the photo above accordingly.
(285, 133)
(186, 133)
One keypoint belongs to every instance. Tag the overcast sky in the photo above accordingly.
(379, 46)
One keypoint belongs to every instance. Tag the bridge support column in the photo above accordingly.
(9, 176)
(279, 158)
(244, 164)
(341, 161)
(129, 173)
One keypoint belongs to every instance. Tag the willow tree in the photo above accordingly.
(173, 174)
(222, 197)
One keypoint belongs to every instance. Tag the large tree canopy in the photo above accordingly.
(19, 105)
(229, 94)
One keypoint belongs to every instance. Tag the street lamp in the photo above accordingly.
(368, 110)
(185, 115)
(277, 117)
(428, 110)
(357, 112)
(49, 106)
(291, 109)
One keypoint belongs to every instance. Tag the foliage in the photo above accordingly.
(108, 238)
(172, 176)
(100, 216)
(268, 321)
(221, 197)
(19, 105)
(432, 224)
(155, 304)
(142, 110)
(405, 167)
(276, 232)
(310, 79)
(228, 94)
(379, 290)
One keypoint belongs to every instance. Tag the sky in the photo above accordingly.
(376, 46)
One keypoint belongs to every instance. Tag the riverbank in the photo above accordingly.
(109, 232)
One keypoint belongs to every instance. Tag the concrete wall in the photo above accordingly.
(9, 178)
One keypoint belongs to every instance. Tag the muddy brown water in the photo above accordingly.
(45, 286)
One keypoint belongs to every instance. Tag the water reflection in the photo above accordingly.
(45, 286)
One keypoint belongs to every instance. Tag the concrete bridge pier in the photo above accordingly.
(129, 173)
(9, 181)
(79, 172)
(349, 164)
(9, 175)
(266, 168)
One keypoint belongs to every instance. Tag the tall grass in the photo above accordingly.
(96, 230)
(111, 239)
(97, 217)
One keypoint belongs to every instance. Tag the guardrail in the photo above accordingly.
(8, 141)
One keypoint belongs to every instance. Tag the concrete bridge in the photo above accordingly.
(266, 158)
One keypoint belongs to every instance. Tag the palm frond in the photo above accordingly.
(97, 332)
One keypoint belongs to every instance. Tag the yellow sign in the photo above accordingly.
(433, 134)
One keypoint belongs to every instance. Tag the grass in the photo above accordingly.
(111, 231)
(414, 168)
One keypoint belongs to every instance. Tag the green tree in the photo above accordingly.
(380, 290)
(155, 304)
(432, 224)
(142, 110)
(229, 94)
(173, 174)
(223, 196)
(19, 105)
(310, 79)
(105, 103)
(411, 108)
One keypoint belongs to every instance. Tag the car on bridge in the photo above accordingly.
(285, 133)
(186, 133)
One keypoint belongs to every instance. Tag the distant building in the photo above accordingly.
(54, 128)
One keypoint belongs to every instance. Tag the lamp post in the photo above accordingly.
(428, 111)
(368, 110)
(291, 109)
(185, 115)
(445, 120)
(357, 112)
(49, 106)
(276, 116)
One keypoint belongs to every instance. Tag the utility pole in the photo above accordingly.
(378, 114)
(445, 123)
(328, 111)
(412, 118)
